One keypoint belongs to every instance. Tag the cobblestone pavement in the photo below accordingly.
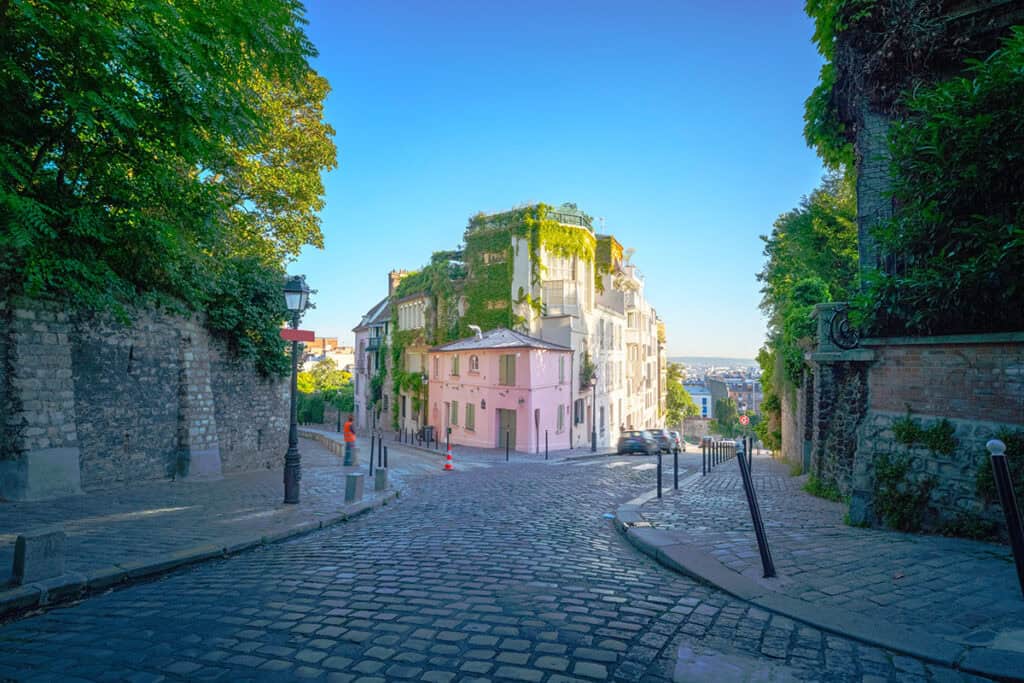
(952, 587)
(133, 523)
(505, 573)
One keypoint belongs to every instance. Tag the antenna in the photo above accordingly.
(601, 219)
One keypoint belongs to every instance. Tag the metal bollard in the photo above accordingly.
(1007, 498)
(506, 446)
(385, 457)
(703, 458)
(675, 469)
(371, 459)
(659, 473)
(545, 444)
(755, 514)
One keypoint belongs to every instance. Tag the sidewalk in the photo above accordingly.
(135, 531)
(949, 600)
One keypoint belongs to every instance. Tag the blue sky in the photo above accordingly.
(678, 122)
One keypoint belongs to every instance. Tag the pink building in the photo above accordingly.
(502, 382)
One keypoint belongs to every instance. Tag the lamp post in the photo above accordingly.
(593, 411)
(296, 297)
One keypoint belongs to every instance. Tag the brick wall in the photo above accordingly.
(968, 380)
(121, 404)
(974, 381)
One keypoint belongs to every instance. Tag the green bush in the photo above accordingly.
(820, 489)
(954, 251)
(310, 408)
(900, 501)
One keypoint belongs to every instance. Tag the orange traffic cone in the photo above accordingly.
(448, 467)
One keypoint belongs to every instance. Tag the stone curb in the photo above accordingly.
(73, 585)
(665, 548)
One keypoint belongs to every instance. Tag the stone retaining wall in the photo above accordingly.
(87, 402)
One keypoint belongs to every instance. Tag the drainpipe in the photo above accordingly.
(572, 389)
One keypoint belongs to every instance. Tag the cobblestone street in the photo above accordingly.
(504, 573)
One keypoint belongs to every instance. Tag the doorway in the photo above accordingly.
(506, 424)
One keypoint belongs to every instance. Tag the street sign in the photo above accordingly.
(744, 420)
(289, 334)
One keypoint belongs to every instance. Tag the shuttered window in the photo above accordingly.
(507, 370)
(455, 413)
(470, 416)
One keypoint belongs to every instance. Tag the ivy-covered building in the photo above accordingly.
(544, 272)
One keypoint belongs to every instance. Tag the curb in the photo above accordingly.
(75, 585)
(668, 551)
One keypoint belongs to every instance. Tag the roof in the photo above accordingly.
(377, 315)
(500, 338)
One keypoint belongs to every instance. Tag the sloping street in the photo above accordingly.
(503, 573)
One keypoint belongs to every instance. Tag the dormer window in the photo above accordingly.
(474, 363)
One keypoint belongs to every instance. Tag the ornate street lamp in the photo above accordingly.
(296, 297)
(593, 415)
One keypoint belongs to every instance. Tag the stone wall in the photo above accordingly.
(89, 403)
(792, 430)
(840, 404)
(974, 381)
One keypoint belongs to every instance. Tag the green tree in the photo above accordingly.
(327, 375)
(679, 403)
(727, 418)
(160, 152)
(810, 258)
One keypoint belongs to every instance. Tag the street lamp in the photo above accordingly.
(296, 297)
(593, 421)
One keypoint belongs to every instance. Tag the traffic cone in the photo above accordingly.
(448, 460)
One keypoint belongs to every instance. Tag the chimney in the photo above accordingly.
(394, 277)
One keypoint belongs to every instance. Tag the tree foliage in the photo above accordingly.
(811, 258)
(956, 245)
(160, 152)
(678, 402)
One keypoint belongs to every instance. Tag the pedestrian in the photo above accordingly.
(350, 441)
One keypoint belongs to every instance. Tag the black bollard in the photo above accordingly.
(545, 444)
(1004, 486)
(371, 459)
(675, 469)
(659, 473)
(506, 446)
(703, 458)
(385, 457)
(755, 514)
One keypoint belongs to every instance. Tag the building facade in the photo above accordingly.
(542, 272)
(502, 385)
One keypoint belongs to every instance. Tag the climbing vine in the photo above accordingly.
(899, 500)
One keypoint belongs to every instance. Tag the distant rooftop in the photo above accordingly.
(500, 338)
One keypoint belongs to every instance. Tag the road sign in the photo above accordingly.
(289, 334)
(744, 420)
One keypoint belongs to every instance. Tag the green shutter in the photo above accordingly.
(455, 412)
(470, 416)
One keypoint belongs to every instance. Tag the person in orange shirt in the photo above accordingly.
(350, 441)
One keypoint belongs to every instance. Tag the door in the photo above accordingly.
(506, 424)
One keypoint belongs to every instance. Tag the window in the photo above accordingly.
(561, 369)
(470, 415)
(455, 413)
(403, 405)
(437, 367)
(601, 423)
(561, 418)
(474, 364)
(507, 370)
(577, 413)
(455, 365)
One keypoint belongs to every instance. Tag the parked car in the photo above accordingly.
(637, 441)
(665, 441)
(678, 447)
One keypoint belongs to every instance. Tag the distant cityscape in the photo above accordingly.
(709, 379)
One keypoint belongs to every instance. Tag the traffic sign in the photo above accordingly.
(744, 420)
(289, 334)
